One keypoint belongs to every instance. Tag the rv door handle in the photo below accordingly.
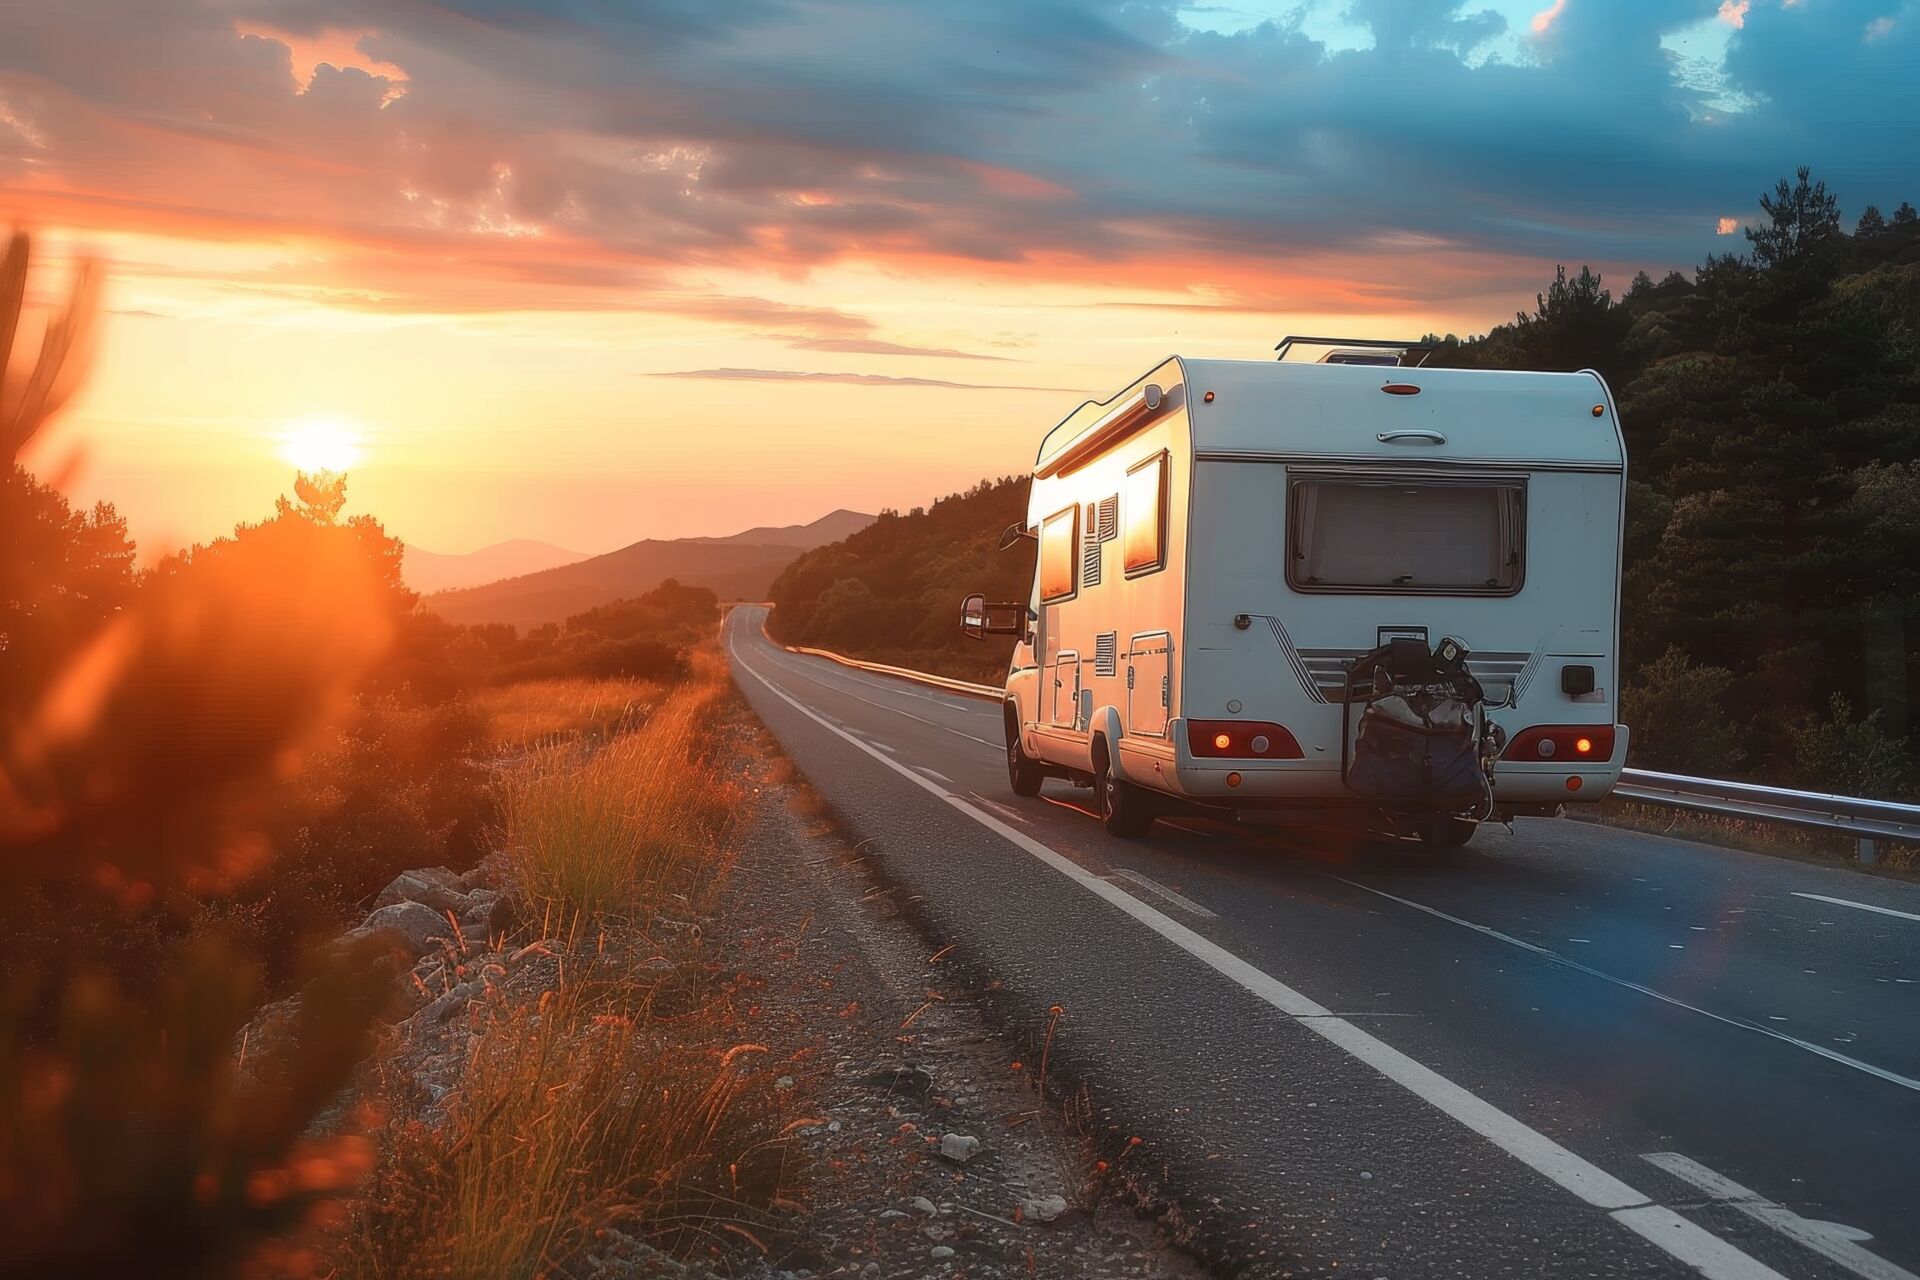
(1411, 437)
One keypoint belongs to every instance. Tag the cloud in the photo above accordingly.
(468, 155)
(875, 347)
(854, 379)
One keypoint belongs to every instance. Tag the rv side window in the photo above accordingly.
(1059, 554)
(1145, 509)
(1427, 537)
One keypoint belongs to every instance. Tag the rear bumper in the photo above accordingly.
(1169, 766)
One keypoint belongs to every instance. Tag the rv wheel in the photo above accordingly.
(1125, 810)
(1024, 774)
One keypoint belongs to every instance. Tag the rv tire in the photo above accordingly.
(1024, 773)
(1125, 810)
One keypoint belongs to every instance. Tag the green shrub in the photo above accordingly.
(1837, 753)
(1677, 714)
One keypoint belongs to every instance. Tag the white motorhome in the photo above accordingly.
(1227, 550)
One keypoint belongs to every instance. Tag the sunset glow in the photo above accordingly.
(320, 444)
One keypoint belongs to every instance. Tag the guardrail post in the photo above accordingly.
(1868, 855)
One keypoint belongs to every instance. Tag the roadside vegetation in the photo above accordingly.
(209, 767)
(1772, 603)
(622, 1103)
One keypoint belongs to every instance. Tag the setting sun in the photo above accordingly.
(320, 444)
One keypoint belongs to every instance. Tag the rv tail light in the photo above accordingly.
(1241, 739)
(1551, 742)
(1401, 389)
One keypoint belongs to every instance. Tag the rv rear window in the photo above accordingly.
(1059, 561)
(1427, 537)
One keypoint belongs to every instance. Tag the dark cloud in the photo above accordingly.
(854, 379)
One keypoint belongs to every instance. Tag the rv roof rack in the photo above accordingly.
(1410, 354)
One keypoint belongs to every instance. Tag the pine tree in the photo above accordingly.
(1905, 216)
(1802, 219)
(1871, 223)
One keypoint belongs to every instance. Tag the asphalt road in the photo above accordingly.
(1570, 1051)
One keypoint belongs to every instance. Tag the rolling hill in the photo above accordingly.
(430, 571)
(731, 568)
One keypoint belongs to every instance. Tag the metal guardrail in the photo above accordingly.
(964, 687)
(1867, 821)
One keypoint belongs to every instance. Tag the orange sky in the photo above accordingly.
(692, 269)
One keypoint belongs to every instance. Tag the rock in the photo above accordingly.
(891, 1215)
(485, 911)
(434, 887)
(784, 1082)
(446, 1006)
(421, 926)
(1043, 1208)
(940, 1251)
(959, 1147)
(925, 1206)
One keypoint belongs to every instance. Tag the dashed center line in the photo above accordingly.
(1857, 906)
(1154, 886)
(1891, 1077)
(1835, 1243)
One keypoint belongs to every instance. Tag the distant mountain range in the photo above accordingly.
(429, 571)
(739, 566)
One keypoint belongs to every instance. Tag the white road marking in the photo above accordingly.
(1004, 810)
(1891, 1077)
(1827, 1239)
(1684, 1240)
(1154, 886)
(951, 701)
(807, 664)
(934, 773)
(998, 747)
(1858, 906)
(892, 751)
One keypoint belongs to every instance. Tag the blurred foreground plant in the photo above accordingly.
(149, 730)
(133, 1143)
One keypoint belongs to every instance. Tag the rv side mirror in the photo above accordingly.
(980, 619)
(1013, 534)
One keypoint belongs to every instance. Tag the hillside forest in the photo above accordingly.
(1771, 404)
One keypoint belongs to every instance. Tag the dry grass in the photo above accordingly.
(577, 1118)
(1749, 834)
(621, 1104)
(616, 828)
(542, 711)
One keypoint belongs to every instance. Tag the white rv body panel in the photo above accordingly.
(1232, 627)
